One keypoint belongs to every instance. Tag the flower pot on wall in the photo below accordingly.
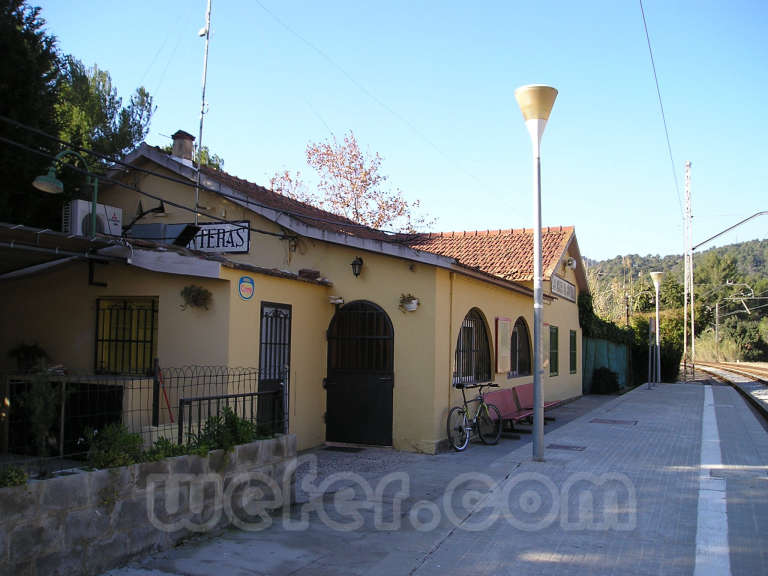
(408, 302)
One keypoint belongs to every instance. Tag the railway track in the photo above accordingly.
(754, 393)
(760, 372)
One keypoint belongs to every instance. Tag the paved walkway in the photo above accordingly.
(623, 490)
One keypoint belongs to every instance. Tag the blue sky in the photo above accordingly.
(430, 86)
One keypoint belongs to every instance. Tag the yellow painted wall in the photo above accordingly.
(425, 340)
(57, 309)
(310, 315)
(565, 315)
(382, 281)
(267, 251)
(457, 295)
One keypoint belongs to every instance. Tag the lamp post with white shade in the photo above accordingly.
(536, 103)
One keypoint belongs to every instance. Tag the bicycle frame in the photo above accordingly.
(479, 399)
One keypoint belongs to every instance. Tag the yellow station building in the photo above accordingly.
(374, 328)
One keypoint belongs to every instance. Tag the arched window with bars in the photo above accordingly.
(473, 352)
(520, 364)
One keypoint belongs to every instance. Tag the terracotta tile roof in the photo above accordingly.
(506, 254)
(310, 215)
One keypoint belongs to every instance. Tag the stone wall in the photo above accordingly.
(89, 522)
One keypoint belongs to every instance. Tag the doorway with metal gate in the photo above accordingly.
(360, 380)
(274, 365)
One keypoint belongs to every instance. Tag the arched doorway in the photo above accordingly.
(360, 378)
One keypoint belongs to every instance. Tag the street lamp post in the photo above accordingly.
(536, 103)
(656, 277)
(52, 185)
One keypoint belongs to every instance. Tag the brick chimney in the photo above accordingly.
(183, 147)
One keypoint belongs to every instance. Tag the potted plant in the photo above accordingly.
(196, 297)
(408, 302)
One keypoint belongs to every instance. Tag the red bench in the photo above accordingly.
(506, 402)
(524, 396)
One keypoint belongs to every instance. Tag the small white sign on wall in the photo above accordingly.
(563, 288)
(222, 237)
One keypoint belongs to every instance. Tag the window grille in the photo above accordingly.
(553, 352)
(126, 335)
(521, 349)
(473, 353)
(275, 346)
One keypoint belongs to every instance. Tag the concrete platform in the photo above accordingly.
(672, 480)
(748, 385)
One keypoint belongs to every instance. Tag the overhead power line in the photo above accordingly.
(117, 162)
(136, 189)
(411, 126)
(661, 108)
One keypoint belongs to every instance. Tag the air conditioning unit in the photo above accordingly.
(76, 218)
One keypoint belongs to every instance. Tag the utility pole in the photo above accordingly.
(691, 283)
(207, 33)
(717, 326)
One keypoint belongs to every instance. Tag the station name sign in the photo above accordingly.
(563, 288)
(223, 237)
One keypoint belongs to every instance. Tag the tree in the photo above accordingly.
(293, 187)
(91, 115)
(61, 98)
(29, 72)
(352, 186)
(671, 292)
(206, 157)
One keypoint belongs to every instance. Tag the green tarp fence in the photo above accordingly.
(602, 353)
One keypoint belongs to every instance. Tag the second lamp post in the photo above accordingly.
(536, 103)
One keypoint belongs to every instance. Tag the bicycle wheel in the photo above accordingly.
(489, 424)
(458, 428)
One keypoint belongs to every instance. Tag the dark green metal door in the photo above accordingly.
(360, 375)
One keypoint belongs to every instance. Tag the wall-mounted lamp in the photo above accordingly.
(571, 263)
(357, 266)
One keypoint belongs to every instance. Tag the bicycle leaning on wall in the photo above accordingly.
(463, 420)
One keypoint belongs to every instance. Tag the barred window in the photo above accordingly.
(521, 349)
(473, 353)
(126, 335)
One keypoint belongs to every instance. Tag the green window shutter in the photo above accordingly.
(553, 359)
(573, 351)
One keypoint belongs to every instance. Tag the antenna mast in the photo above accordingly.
(207, 33)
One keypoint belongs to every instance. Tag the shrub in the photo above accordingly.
(164, 448)
(12, 476)
(29, 357)
(40, 404)
(604, 381)
(113, 446)
(226, 430)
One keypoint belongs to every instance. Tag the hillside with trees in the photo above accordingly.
(731, 295)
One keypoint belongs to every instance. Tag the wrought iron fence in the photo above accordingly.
(263, 408)
(45, 417)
